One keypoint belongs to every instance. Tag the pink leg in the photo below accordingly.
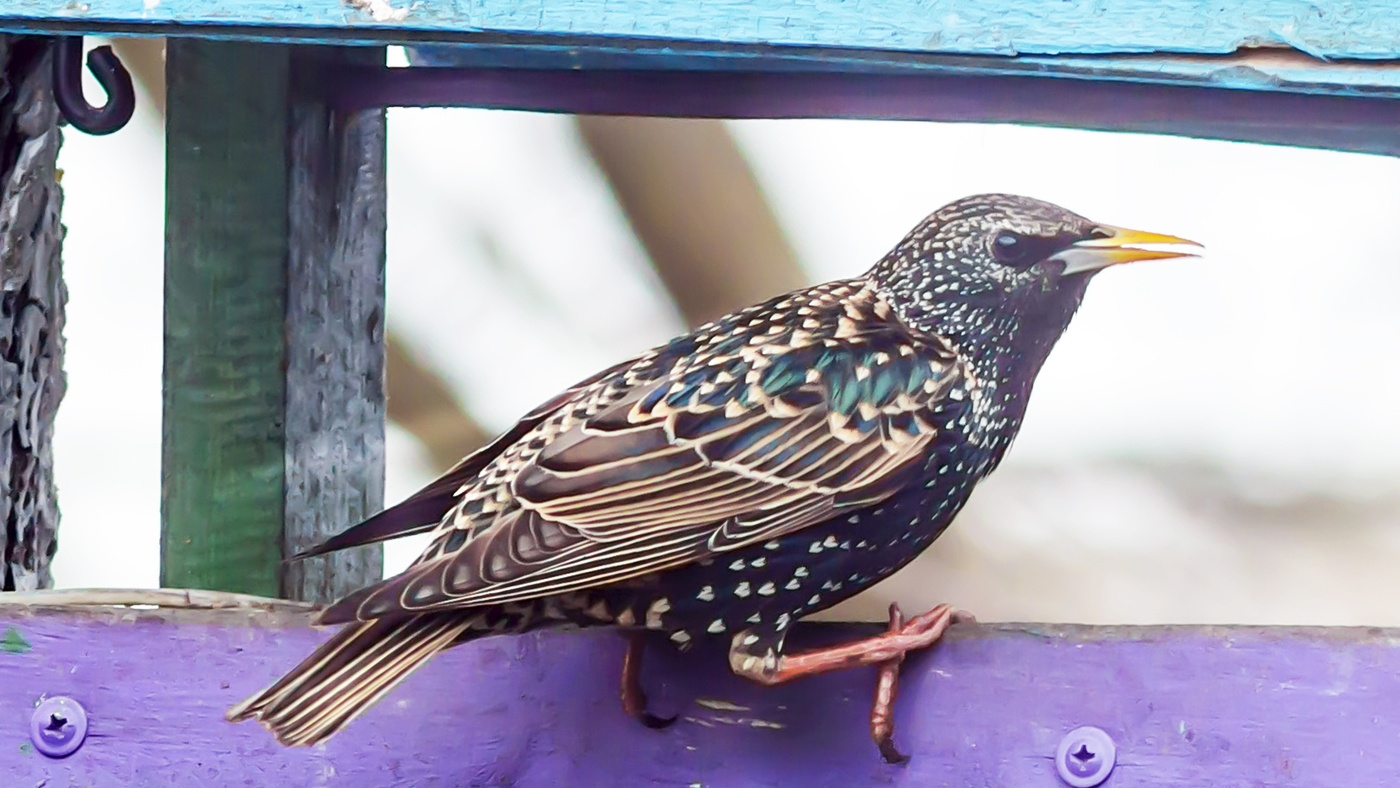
(885, 651)
(634, 699)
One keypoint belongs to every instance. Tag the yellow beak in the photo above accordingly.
(1119, 246)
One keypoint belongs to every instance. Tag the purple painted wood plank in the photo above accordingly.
(1185, 706)
(1339, 122)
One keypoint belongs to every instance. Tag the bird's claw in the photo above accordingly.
(919, 632)
(634, 699)
(654, 722)
(891, 755)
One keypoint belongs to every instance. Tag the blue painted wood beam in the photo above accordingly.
(1330, 29)
(1336, 48)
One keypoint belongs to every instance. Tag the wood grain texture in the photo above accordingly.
(274, 364)
(32, 302)
(335, 283)
(1185, 707)
(223, 448)
(334, 334)
(1329, 28)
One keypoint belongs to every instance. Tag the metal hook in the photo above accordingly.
(110, 74)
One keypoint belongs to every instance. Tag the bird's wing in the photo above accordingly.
(424, 510)
(754, 427)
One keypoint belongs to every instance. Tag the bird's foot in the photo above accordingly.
(924, 631)
(634, 699)
(886, 689)
(885, 651)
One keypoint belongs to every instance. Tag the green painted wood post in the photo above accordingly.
(273, 431)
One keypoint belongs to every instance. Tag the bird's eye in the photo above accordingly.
(1010, 248)
(1023, 251)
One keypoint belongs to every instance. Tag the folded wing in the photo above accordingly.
(751, 428)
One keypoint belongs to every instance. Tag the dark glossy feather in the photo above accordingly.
(755, 426)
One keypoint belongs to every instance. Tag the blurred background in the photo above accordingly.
(1213, 441)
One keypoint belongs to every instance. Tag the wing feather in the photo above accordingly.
(701, 447)
(425, 509)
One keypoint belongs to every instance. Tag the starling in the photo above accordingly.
(765, 466)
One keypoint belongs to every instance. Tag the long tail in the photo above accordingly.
(347, 674)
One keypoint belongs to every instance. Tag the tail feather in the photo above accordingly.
(347, 674)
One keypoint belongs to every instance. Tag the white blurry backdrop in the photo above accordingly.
(1213, 440)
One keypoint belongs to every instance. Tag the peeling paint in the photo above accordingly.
(757, 723)
(751, 722)
(14, 643)
(700, 722)
(718, 704)
(380, 10)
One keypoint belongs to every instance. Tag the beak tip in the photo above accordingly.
(1122, 245)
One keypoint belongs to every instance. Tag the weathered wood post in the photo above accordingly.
(274, 322)
(32, 299)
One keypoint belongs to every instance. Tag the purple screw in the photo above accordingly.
(1085, 757)
(58, 727)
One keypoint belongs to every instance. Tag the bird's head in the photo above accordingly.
(1005, 267)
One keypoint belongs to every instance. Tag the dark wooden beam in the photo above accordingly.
(1366, 125)
(335, 319)
(274, 404)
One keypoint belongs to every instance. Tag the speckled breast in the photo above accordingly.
(770, 585)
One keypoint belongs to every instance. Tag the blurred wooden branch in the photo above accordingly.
(422, 402)
(697, 208)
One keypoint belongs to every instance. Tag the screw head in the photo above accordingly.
(1085, 757)
(58, 726)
